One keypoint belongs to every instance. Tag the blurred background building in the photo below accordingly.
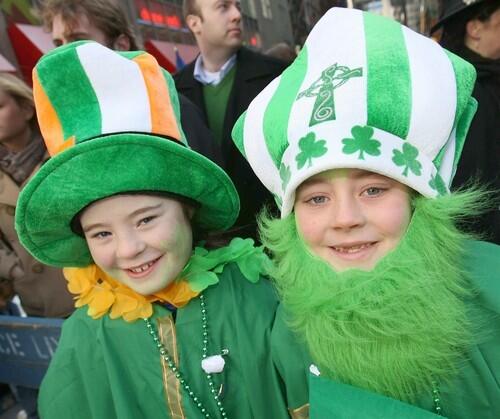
(419, 15)
(161, 30)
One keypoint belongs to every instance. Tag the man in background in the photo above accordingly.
(222, 81)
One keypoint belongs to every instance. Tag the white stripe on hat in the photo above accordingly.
(254, 141)
(446, 170)
(350, 99)
(432, 76)
(128, 108)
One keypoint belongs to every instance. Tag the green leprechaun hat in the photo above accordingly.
(111, 124)
(365, 92)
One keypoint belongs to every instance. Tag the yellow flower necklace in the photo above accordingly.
(103, 294)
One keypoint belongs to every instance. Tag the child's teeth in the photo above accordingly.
(351, 249)
(142, 268)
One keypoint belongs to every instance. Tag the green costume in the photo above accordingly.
(473, 393)
(123, 354)
(108, 368)
(385, 101)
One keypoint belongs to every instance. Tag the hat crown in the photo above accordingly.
(99, 92)
(111, 123)
(380, 97)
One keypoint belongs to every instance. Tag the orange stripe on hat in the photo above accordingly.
(163, 119)
(50, 125)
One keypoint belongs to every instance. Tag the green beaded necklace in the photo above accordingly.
(170, 362)
(436, 398)
(204, 324)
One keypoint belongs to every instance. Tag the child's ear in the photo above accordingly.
(189, 211)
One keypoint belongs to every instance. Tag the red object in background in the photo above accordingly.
(29, 43)
(164, 52)
(158, 15)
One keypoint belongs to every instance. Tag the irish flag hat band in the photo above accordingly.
(365, 92)
(111, 124)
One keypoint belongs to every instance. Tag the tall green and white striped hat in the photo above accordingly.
(111, 124)
(365, 92)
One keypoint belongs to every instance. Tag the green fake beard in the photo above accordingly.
(392, 330)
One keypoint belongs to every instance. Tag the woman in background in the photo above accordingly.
(41, 289)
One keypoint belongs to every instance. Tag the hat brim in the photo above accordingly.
(107, 166)
(451, 12)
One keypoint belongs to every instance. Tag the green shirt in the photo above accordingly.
(216, 98)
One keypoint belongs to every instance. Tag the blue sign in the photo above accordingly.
(27, 345)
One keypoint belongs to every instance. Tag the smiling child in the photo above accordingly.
(395, 307)
(161, 330)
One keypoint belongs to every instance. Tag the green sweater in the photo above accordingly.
(216, 98)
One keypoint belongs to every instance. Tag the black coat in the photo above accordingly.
(199, 136)
(253, 72)
(481, 154)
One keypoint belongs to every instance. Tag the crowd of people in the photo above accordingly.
(256, 237)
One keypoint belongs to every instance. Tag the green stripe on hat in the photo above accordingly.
(278, 111)
(464, 85)
(465, 110)
(384, 110)
(237, 133)
(68, 107)
(462, 129)
(131, 54)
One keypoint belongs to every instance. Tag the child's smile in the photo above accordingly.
(353, 250)
(142, 270)
(143, 241)
(352, 218)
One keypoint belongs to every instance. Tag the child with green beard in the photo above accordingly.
(388, 309)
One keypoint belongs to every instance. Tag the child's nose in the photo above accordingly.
(347, 214)
(128, 246)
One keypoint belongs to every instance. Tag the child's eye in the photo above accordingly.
(101, 235)
(317, 200)
(146, 220)
(374, 191)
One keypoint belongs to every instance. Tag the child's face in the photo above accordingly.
(352, 218)
(142, 241)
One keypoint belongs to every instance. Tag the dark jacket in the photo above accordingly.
(481, 154)
(198, 134)
(253, 72)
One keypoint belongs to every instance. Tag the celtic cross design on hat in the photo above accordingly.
(331, 78)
